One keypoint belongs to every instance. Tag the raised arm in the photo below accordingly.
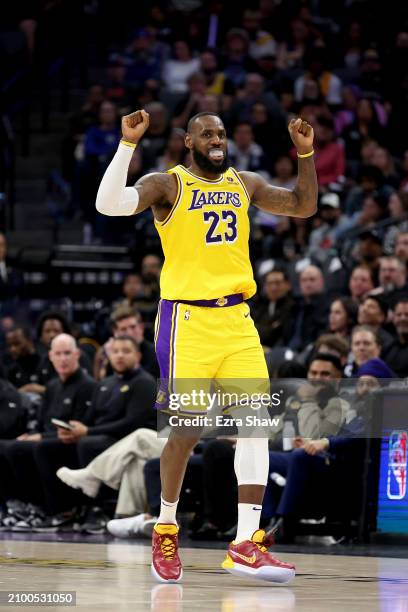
(157, 190)
(302, 201)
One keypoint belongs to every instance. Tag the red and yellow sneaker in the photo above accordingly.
(251, 559)
(166, 564)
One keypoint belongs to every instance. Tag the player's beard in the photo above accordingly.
(207, 165)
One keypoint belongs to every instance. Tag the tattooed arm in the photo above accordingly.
(158, 191)
(302, 201)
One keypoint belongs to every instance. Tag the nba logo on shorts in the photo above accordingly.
(397, 465)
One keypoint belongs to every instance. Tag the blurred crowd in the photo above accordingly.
(332, 299)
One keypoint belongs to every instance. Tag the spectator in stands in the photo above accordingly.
(343, 316)
(120, 404)
(101, 140)
(132, 289)
(126, 321)
(273, 140)
(324, 237)
(11, 281)
(100, 143)
(173, 154)
(252, 92)
(311, 310)
(330, 157)
(244, 153)
(291, 52)
(284, 175)
(26, 372)
(368, 250)
(396, 353)
(214, 78)
(369, 180)
(156, 137)
(330, 85)
(401, 247)
(236, 61)
(315, 408)
(13, 417)
(143, 57)
(273, 313)
(365, 345)
(365, 126)
(392, 279)
(398, 208)
(150, 269)
(77, 126)
(331, 344)
(383, 160)
(325, 463)
(353, 45)
(178, 69)
(188, 105)
(371, 79)
(115, 85)
(67, 397)
(373, 312)
(50, 325)
(261, 42)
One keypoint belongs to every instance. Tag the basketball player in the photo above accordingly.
(203, 327)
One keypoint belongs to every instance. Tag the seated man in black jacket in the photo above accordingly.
(120, 404)
(66, 397)
(273, 313)
(26, 372)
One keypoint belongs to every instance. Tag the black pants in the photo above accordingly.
(52, 454)
(191, 497)
(33, 466)
(7, 476)
(20, 478)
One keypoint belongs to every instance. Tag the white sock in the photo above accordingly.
(248, 521)
(167, 512)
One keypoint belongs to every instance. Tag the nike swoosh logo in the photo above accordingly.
(188, 184)
(247, 314)
(251, 560)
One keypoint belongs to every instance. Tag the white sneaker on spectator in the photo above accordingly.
(147, 527)
(80, 479)
(129, 527)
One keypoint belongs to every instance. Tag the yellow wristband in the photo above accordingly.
(129, 144)
(306, 154)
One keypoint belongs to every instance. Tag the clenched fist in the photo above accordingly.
(301, 133)
(135, 125)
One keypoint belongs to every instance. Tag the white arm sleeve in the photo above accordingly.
(114, 198)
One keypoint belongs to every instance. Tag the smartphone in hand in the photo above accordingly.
(62, 424)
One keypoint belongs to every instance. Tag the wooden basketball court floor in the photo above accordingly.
(115, 576)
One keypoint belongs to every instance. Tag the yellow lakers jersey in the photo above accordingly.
(205, 239)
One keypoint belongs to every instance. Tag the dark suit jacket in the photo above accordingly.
(274, 330)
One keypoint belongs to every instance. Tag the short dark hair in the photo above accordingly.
(279, 270)
(401, 300)
(333, 359)
(53, 314)
(126, 338)
(23, 328)
(380, 301)
(197, 116)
